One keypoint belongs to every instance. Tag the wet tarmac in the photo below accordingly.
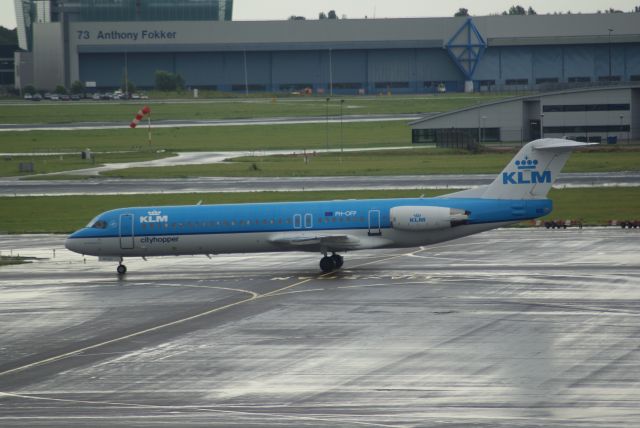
(514, 327)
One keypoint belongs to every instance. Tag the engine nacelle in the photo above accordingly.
(426, 218)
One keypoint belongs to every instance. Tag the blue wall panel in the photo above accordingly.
(547, 62)
(297, 67)
(376, 70)
(142, 67)
(349, 66)
(104, 69)
(632, 60)
(200, 69)
(436, 65)
(259, 68)
(516, 63)
(578, 61)
(489, 66)
(388, 65)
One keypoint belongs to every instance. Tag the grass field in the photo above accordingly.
(65, 214)
(391, 162)
(11, 260)
(227, 138)
(114, 111)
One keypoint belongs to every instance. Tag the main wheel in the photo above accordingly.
(122, 269)
(327, 264)
(338, 260)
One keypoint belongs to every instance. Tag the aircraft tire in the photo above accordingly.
(122, 269)
(338, 260)
(327, 264)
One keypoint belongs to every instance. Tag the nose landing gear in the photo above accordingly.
(331, 263)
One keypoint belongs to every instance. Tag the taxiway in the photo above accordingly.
(514, 327)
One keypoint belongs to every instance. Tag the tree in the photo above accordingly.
(530, 11)
(332, 15)
(179, 83)
(166, 81)
(60, 90)
(612, 10)
(77, 87)
(462, 12)
(128, 87)
(322, 15)
(8, 37)
(516, 10)
(297, 18)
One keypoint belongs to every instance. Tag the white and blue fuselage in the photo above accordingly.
(246, 228)
(517, 194)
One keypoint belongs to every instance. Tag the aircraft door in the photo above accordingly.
(308, 221)
(126, 231)
(374, 223)
(297, 221)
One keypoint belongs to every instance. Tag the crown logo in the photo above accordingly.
(154, 212)
(526, 163)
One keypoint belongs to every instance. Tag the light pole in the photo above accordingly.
(610, 31)
(482, 132)
(327, 124)
(541, 125)
(341, 141)
(330, 72)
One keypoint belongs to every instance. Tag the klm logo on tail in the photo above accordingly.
(527, 173)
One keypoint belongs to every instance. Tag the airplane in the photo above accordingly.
(518, 193)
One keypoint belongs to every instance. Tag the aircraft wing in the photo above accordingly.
(313, 241)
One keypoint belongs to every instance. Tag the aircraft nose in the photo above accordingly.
(72, 244)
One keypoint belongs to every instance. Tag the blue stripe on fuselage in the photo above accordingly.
(279, 217)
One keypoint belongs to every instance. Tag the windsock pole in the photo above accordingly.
(149, 123)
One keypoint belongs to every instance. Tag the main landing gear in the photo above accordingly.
(331, 263)
(122, 269)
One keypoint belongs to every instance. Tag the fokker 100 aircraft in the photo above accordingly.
(330, 227)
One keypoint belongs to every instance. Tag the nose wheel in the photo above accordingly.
(331, 263)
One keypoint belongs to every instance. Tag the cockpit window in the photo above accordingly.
(100, 224)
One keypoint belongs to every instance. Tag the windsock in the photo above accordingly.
(141, 113)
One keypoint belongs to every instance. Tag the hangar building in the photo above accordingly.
(588, 114)
(80, 41)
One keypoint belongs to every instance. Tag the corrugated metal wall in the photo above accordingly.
(375, 70)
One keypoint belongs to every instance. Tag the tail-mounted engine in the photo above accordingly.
(427, 218)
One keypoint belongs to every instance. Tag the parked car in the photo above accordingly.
(28, 96)
(64, 97)
(47, 95)
(54, 97)
(96, 96)
(36, 97)
(75, 97)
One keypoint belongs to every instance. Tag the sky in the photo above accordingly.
(247, 10)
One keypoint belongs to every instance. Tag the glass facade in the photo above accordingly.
(156, 10)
